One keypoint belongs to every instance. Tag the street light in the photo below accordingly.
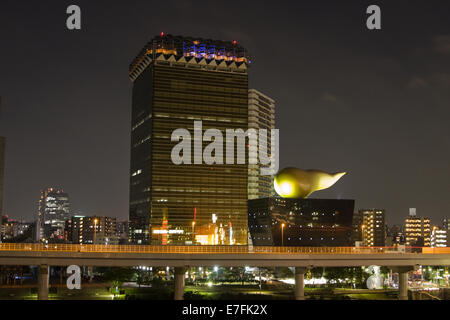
(282, 234)
(193, 235)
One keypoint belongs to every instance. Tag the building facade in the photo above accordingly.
(300, 222)
(373, 227)
(445, 224)
(417, 231)
(54, 211)
(176, 81)
(123, 231)
(395, 236)
(356, 236)
(439, 237)
(91, 230)
(2, 172)
(12, 228)
(261, 115)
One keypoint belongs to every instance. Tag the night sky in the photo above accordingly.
(372, 103)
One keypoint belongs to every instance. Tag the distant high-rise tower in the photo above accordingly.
(261, 115)
(373, 227)
(176, 81)
(54, 210)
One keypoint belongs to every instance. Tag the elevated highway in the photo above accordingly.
(181, 257)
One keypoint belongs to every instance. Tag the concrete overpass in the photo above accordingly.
(182, 257)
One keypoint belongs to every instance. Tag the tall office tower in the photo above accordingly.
(373, 227)
(261, 115)
(2, 171)
(417, 231)
(54, 210)
(176, 81)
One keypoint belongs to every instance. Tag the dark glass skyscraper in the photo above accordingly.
(176, 81)
(2, 169)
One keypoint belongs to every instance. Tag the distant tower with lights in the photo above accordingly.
(54, 211)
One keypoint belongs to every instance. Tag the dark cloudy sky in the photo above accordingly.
(372, 103)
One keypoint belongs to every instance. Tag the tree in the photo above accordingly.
(335, 275)
(142, 277)
(283, 272)
(117, 276)
(384, 271)
(350, 275)
(238, 274)
(317, 272)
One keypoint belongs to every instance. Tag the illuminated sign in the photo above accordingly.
(174, 231)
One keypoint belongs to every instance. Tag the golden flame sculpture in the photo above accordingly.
(298, 183)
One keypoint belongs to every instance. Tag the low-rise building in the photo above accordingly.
(91, 230)
(300, 222)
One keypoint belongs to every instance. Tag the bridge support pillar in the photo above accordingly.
(91, 273)
(179, 283)
(43, 277)
(403, 280)
(299, 289)
(403, 285)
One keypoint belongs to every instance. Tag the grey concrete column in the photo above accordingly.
(179, 283)
(43, 277)
(403, 285)
(91, 273)
(299, 289)
(403, 280)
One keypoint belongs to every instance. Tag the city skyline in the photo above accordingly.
(377, 127)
